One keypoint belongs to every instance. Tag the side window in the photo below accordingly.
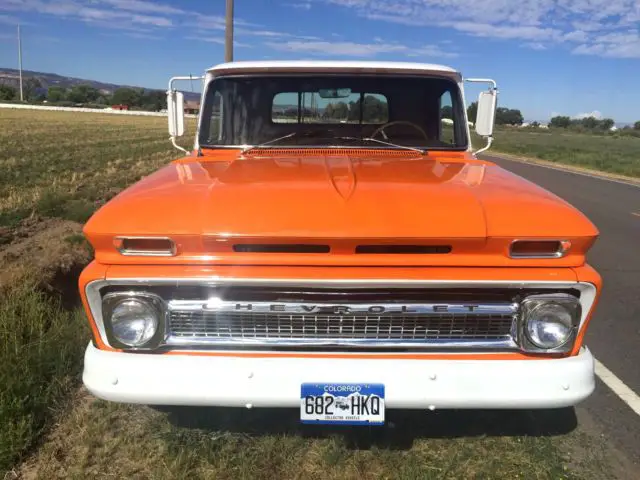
(447, 127)
(215, 130)
(284, 108)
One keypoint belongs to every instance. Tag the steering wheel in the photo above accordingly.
(399, 122)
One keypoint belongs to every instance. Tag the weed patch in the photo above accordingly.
(608, 153)
(40, 358)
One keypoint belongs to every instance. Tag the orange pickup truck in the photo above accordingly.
(333, 244)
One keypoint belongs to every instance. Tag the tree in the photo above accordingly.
(105, 99)
(83, 94)
(7, 92)
(560, 121)
(127, 96)
(508, 116)
(56, 94)
(590, 122)
(636, 126)
(154, 100)
(337, 111)
(607, 123)
(446, 112)
(535, 124)
(30, 89)
(373, 111)
(472, 112)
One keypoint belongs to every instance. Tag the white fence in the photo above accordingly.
(85, 110)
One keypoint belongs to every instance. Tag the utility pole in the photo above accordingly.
(20, 62)
(228, 42)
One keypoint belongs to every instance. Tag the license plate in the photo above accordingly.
(342, 403)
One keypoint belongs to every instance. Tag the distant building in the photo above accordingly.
(119, 107)
(192, 107)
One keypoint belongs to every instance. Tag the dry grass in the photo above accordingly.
(617, 154)
(66, 164)
(56, 168)
(101, 439)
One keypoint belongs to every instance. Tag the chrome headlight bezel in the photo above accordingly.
(532, 303)
(157, 305)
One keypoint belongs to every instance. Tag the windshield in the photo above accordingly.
(322, 110)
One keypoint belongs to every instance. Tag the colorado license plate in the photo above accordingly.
(342, 403)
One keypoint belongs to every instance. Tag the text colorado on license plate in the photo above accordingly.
(342, 403)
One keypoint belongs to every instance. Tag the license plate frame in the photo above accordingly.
(360, 404)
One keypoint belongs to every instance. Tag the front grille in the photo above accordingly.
(191, 322)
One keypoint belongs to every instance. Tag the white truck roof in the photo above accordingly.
(333, 66)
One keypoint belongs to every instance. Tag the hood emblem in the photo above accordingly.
(342, 175)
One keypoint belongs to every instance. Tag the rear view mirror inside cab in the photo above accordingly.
(334, 92)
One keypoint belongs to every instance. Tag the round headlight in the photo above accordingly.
(134, 322)
(549, 325)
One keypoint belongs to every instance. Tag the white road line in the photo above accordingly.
(566, 170)
(618, 387)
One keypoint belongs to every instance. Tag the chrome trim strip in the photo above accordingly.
(310, 308)
(337, 282)
(145, 253)
(507, 344)
(92, 289)
(565, 246)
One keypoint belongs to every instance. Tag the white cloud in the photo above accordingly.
(9, 20)
(536, 22)
(595, 114)
(348, 49)
(354, 49)
(299, 5)
(432, 52)
(535, 46)
(576, 36)
(143, 7)
(528, 32)
(104, 13)
(217, 40)
(623, 44)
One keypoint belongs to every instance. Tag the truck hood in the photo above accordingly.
(339, 200)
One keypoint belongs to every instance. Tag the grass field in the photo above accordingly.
(608, 153)
(55, 169)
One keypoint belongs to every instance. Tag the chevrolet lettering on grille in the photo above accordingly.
(218, 305)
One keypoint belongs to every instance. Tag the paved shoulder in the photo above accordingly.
(614, 333)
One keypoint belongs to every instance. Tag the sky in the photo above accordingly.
(549, 57)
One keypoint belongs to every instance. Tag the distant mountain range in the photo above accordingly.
(11, 76)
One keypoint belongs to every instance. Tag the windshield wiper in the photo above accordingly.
(269, 142)
(370, 139)
(311, 133)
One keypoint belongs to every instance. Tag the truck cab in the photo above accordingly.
(332, 243)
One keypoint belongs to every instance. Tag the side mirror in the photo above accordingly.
(486, 112)
(175, 113)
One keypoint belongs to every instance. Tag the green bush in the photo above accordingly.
(40, 361)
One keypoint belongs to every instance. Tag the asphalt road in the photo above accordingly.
(614, 332)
